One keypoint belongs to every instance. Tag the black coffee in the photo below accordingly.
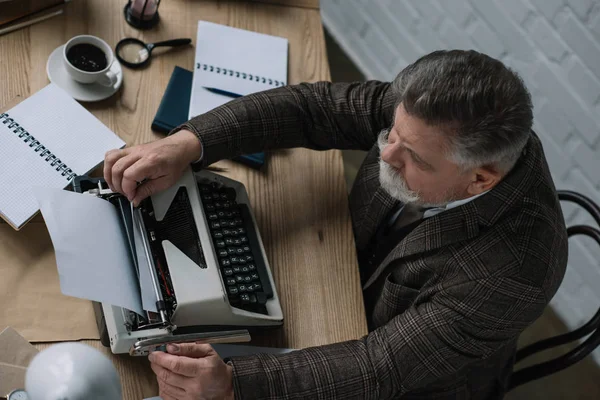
(87, 57)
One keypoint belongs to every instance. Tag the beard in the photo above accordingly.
(395, 185)
(389, 178)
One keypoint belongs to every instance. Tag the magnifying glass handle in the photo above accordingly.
(174, 42)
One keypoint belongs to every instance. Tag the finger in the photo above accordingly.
(170, 377)
(175, 392)
(150, 187)
(110, 158)
(192, 350)
(119, 168)
(137, 172)
(180, 365)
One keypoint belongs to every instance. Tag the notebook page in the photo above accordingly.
(237, 61)
(20, 168)
(66, 128)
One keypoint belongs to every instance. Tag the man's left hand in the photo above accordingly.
(191, 371)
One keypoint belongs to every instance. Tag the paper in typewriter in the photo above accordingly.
(237, 61)
(146, 287)
(91, 254)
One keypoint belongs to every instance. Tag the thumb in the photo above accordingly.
(192, 350)
(148, 188)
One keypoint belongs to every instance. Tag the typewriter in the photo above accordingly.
(209, 271)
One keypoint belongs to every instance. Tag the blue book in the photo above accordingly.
(174, 107)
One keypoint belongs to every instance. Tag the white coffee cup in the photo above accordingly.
(105, 77)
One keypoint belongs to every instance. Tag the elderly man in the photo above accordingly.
(459, 233)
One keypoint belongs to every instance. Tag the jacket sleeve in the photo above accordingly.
(454, 328)
(318, 116)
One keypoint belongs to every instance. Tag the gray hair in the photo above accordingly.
(482, 105)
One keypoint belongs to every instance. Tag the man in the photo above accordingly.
(458, 228)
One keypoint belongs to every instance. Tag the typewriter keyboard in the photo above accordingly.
(235, 239)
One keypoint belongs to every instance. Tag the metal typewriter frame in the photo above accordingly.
(157, 329)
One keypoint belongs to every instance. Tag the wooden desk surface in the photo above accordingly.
(294, 3)
(300, 199)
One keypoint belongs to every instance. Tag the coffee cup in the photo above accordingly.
(88, 59)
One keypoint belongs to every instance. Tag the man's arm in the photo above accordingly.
(456, 327)
(318, 116)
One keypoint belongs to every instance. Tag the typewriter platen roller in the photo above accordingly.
(206, 259)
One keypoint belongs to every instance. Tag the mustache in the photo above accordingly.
(393, 183)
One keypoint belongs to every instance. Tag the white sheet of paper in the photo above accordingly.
(235, 60)
(91, 255)
(148, 296)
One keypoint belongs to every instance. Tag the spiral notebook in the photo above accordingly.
(46, 140)
(236, 61)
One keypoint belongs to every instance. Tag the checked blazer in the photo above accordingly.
(452, 297)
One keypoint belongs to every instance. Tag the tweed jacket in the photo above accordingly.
(450, 299)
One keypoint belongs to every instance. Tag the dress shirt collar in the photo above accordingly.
(430, 212)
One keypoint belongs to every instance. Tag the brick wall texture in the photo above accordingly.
(553, 44)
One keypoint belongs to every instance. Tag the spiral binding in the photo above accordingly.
(37, 147)
(240, 75)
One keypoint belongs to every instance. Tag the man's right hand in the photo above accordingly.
(158, 165)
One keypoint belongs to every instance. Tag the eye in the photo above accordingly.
(420, 163)
(415, 157)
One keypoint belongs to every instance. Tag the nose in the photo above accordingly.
(390, 154)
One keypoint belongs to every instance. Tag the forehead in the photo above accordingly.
(415, 131)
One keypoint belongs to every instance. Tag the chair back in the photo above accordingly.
(592, 327)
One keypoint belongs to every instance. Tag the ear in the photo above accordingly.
(483, 179)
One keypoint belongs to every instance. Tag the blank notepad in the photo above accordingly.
(45, 141)
(237, 61)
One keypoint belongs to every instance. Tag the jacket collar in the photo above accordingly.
(430, 212)
(529, 170)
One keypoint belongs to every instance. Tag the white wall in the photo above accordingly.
(553, 44)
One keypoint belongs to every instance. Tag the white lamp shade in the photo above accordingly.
(72, 371)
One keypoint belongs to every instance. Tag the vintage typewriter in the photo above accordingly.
(206, 259)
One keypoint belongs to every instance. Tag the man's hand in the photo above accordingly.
(158, 165)
(191, 371)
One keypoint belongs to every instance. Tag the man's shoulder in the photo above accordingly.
(527, 244)
(540, 231)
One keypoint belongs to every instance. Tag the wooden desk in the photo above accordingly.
(294, 3)
(300, 199)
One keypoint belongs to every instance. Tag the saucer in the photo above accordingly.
(79, 91)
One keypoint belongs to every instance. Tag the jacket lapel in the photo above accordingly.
(369, 202)
(439, 231)
(379, 207)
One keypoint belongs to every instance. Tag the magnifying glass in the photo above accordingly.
(134, 53)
